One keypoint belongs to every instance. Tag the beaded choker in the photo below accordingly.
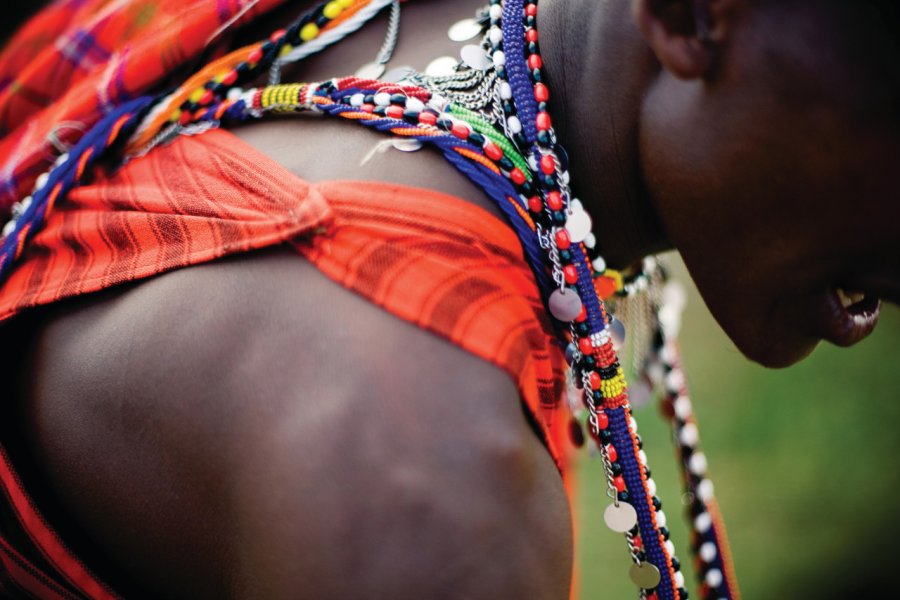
(491, 121)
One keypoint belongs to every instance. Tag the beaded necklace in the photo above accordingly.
(512, 153)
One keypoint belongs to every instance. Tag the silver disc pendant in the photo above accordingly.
(564, 306)
(645, 575)
(398, 74)
(476, 57)
(617, 332)
(621, 518)
(465, 30)
(404, 144)
(372, 70)
(442, 67)
(578, 224)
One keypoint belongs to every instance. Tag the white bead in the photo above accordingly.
(234, 94)
(670, 547)
(633, 424)
(661, 519)
(25, 203)
(8, 228)
(599, 264)
(689, 435)
(382, 99)
(682, 406)
(61, 158)
(651, 487)
(496, 12)
(437, 102)
(675, 380)
(499, 58)
(532, 163)
(643, 456)
(703, 522)
(495, 35)
(41, 181)
(679, 579)
(697, 464)
(514, 125)
(714, 578)
(357, 100)
(590, 241)
(705, 490)
(505, 91)
(414, 104)
(708, 552)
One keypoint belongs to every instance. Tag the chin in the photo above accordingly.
(776, 354)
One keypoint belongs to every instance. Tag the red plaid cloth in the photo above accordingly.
(438, 262)
(79, 58)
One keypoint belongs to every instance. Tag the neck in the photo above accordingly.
(598, 69)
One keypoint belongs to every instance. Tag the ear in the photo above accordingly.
(684, 34)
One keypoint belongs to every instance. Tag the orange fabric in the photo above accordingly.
(434, 260)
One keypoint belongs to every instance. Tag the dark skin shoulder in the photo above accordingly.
(250, 429)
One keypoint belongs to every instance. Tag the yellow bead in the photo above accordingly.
(309, 32)
(285, 50)
(332, 10)
(196, 95)
(345, 3)
(175, 116)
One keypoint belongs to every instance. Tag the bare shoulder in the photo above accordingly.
(216, 423)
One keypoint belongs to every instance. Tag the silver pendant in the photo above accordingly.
(372, 70)
(398, 74)
(465, 30)
(442, 67)
(404, 144)
(645, 575)
(620, 518)
(475, 57)
(578, 223)
(565, 306)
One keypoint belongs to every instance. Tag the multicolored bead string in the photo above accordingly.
(523, 170)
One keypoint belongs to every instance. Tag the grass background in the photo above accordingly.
(803, 459)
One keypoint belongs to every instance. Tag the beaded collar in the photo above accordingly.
(509, 149)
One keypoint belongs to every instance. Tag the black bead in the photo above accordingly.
(582, 329)
(532, 48)
(220, 89)
(536, 75)
(322, 21)
(616, 468)
(606, 438)
(664, 531)
(527, 188)
(243, 68)
(506, 164)
(589, 362)
(549, 181)
(293, 35)
(647, 473)
(683, 593)
(410, 115)
(369, 99)
(559, 217)
(542, 107)
(501, 72)
(267, 46)
(476, 139)
(657, 503)
(623, 496)
(543, 138)
(640, 442)
(676, 564)
(565, 256)
(398, 99)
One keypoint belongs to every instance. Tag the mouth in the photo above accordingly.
(846, 315)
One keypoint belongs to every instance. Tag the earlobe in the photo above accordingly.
(680, 34)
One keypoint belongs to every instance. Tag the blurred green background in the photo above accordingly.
(804, 461)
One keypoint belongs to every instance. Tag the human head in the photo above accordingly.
(770, 144)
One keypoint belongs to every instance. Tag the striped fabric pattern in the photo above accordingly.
(445, 265)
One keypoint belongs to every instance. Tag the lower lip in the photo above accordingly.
(840, 326)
